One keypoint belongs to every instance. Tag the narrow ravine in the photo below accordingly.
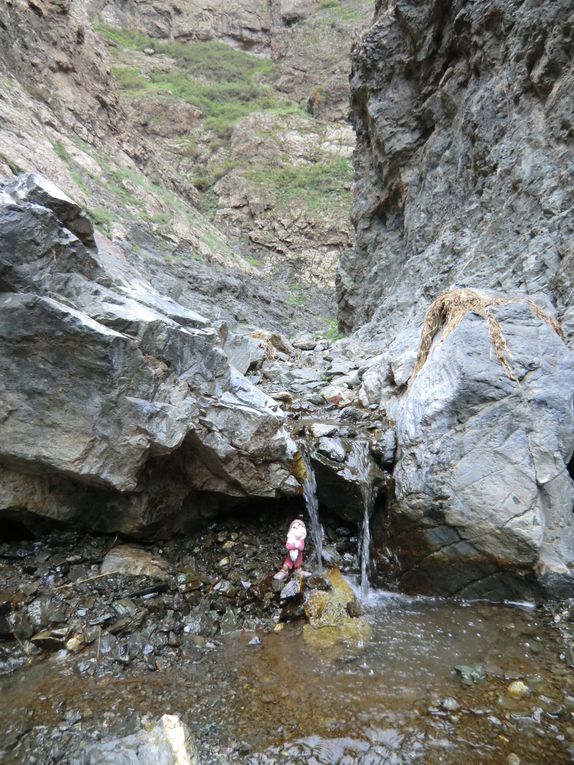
(286, 375)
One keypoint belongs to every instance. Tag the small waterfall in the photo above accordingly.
(365, 544)
(362, 464)
(312, 503)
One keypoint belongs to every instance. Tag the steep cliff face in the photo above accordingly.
(138, 110)
(309, 40)
(52, 51)
(465, 161)
(249, 104)
(465, 190)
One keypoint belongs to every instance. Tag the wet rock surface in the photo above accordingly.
(127, 608)
(167, 742)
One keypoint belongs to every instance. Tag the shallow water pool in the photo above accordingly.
(396, 699)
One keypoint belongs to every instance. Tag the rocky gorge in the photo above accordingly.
(174, 389)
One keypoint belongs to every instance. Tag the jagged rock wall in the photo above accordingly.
(465, 160)
(247, 23)
(465, 179)
(51, 48)
(120, 409)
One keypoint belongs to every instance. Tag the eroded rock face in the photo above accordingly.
(483, 495)
(52, 47)
(107, 384)
(247, 22)
(279, 224)
(464, 159)
(465, 170)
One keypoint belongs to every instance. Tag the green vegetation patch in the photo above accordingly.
(332, 331)
(321, 186)
(344, 12)
(225, 83)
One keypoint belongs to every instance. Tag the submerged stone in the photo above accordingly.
(470, 674)
(168, 742)
(518, 689)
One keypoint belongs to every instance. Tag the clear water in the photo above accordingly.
(284, 702)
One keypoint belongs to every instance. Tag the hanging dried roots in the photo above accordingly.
(450, 308)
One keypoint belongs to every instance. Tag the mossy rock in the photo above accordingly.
(298, 468)
(329, 613)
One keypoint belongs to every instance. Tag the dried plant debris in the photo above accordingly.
(449, 309)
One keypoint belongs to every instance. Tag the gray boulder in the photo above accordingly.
(89, 402)
(38, 190)
(484, 498)
(120, 409)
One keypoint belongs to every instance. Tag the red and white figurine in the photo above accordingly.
(295, 544)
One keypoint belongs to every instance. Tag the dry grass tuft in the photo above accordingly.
(450, 308)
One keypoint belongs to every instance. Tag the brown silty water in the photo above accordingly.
(396, 699)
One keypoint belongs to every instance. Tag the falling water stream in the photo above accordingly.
(312, 503)
(361, 463)
(365, 552)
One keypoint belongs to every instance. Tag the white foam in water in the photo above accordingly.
(374, 599)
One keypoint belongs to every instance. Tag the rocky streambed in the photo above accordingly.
(102, 638)
(151, 463)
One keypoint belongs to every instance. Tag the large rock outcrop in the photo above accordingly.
(247, 22)
(465, 172)
(485, 433)
(465, 159)
(120, 408)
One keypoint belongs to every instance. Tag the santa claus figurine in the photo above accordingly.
(294, 543)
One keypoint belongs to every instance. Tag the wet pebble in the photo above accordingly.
(51, 640)
(470, 674)
(450, 704)
(518, 689)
